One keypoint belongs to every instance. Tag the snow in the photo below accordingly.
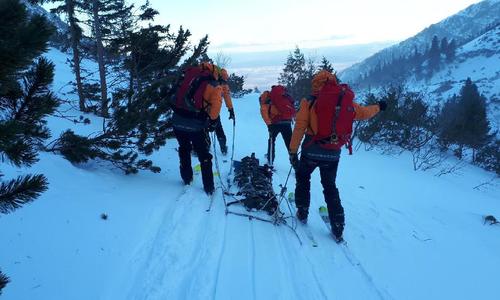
(411, 235)
(480, 60)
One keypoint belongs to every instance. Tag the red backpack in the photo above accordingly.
(283, 103)
(335, 111)
(189, 95)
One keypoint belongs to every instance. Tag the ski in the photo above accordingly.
(323, 213)
(211, 199)
(185, 189)
(309, 234)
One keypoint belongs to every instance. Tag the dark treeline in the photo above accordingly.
(421, 63)
(429, 132)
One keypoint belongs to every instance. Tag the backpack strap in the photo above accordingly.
(268, 102)
(312, 100)
(334, 137)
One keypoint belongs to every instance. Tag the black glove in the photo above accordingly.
(382, 105)
(294, 160)
(231, 114)
(212, 125)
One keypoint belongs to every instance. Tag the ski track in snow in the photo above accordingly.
(219, 260)
(355, 263)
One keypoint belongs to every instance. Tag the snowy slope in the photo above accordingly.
(479, 60)
(34, 9)
(462, 27)
(411, 235)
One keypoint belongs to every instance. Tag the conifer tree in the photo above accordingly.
(434, 56)
(98, 8)
(444, 45)
(3, 281)
(325, 65)
(70, 8)
(140, 123)
(464, 121)
(295, 75)
(451, 51)
(25, 101)
(235, 84)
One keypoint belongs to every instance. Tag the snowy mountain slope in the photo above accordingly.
(411, 235)
(462, 27)
(480, 60)
(34, 9)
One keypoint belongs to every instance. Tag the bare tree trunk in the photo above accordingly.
(75, 39)
(100, 58)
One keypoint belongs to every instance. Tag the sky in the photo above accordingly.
(265, 25)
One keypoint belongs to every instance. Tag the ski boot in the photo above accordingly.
(223, 149)
(302, 215)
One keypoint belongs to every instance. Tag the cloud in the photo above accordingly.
(336, 40)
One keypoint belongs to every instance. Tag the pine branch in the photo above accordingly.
(3, 281)
(20, 191)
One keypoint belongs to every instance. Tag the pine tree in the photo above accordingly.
(105, 21)
(416, 60)
(444, 45)
(325, 65)
(434, 56)
(25, 101)
(70, 8)
(236, 83)
(464, 120)
(477, 123)
(451, 51)
(151, 62)
(3, 281)
(97, 9)
(296, 74)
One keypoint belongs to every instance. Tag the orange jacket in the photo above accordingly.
(226, 94)
(213, 92)
(213, 99)
(266, 112)
(306, 121)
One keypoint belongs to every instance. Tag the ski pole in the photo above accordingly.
(232, 156)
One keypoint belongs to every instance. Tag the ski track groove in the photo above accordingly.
(369, 279)
(156, 267)
(219, 260)
(152, 244)
(252, 259)
(197, 255)
(290, 262)
(197, 258)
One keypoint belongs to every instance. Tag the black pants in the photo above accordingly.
(221, 136)
(274, 129)
(200, 142)
(219, 132)
(328, 173)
